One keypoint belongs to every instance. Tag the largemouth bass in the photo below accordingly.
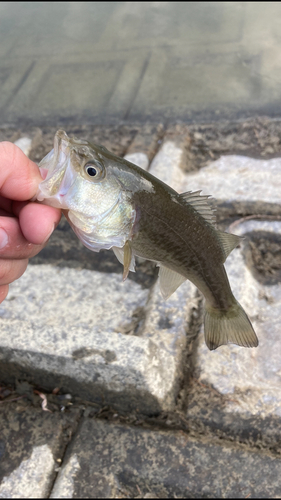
(112, 203)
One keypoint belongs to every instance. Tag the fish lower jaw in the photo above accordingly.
(56, 201)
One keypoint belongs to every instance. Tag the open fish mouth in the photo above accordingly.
(60, 173)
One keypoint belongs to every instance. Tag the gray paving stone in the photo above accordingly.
(166, 165)
(139, 159)
(12, 76)
(168, 324)
(168, 162)
(123, 61)
(32, 444)
(24, 143)
(137, 462)
(176, 82)
(44, 91)
(209, 412)
(72, 334)
(156, 25)
(250, 379)
(240, 184)
(147, 140)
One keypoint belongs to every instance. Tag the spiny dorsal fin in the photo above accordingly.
(228, 242)
(201, 204)
(169, 281)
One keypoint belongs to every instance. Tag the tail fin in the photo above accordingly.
(228, 327)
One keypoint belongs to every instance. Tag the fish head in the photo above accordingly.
(83, 181)
(77, 178)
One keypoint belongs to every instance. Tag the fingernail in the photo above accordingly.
(3, 238)
(50, 233)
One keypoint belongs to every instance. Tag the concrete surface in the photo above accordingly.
(74, 335)
(32, 445)
(240, 184)
(106, 61)
(143, 463)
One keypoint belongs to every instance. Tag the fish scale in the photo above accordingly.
(181, 254)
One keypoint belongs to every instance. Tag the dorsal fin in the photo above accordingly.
(228, 242)
(201, 204)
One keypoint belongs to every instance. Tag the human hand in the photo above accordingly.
(25, 227)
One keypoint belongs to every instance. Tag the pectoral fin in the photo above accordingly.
(169, 281)
(126, 257)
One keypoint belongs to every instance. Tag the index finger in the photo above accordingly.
(19, 176)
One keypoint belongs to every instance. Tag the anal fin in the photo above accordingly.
(169, 281)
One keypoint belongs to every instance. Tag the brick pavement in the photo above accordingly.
(159, 414)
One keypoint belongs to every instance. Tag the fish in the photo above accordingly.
(111, 203)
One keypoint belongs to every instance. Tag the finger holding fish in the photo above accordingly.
(24, 227)
(19, 176)
(37, 222)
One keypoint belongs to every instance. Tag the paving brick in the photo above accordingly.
(68, 335)
(130, 61)
(136, 462)
(212, 413)
(174, 85)
(24, 143)
(12, 76)
(240, 184)
(32, 445)
(168, 324)
(155, 25)
(147, 140)
(139, 159)
(74, 335)
(43, 91)
(166, 165)
(53, 27)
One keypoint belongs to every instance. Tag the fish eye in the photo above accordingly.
(93, 169)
